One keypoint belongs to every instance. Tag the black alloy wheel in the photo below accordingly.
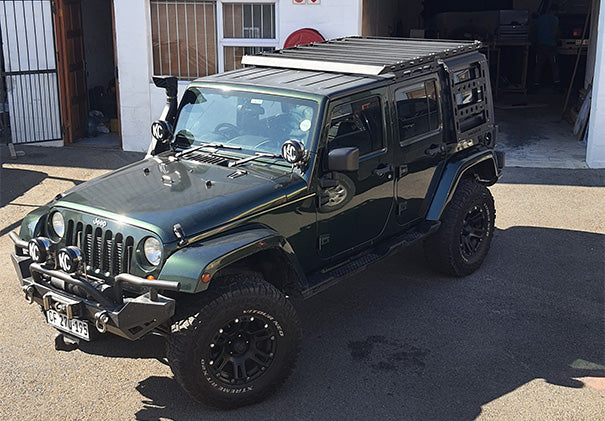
(242, 349)
(474, 229)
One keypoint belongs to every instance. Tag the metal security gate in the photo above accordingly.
(29, 90)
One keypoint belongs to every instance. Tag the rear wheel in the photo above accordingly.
(467, 228)
(239, 346)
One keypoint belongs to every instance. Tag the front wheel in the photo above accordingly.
(240, 345)
(467, 228)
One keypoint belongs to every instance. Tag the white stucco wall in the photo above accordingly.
(332, 18)
(595, 149)
(141, 102)
(132, 47)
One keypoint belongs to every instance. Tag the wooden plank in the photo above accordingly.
(582, 120)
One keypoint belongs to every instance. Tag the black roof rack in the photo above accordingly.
(363, 55)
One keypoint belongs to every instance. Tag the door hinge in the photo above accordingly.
(403, 170)
(402, 206)
(53, 7)
(323, 240)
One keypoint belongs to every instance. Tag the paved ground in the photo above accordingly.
(533, 134)
(522, 338)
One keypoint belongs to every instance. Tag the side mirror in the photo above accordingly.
(343, 159)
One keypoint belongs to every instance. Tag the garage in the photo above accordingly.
(542, 93)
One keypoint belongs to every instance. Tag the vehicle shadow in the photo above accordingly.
(77, 157)
(148, 347)
(15, 182)
(399, 342)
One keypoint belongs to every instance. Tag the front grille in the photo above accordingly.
(104, 251)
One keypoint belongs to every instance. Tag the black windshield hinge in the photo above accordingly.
(402, 206)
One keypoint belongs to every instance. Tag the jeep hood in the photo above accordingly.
(158, 193)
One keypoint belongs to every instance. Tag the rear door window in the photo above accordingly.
(417, 110)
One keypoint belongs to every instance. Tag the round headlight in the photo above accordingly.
(58, 224)
(153, 251)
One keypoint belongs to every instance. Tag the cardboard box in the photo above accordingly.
(114, 125)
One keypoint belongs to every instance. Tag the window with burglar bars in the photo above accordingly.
(248, 20)
(184, 40)
(233, 55)
(184, 35)
(248, 28)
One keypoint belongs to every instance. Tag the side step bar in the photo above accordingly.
(322, 280)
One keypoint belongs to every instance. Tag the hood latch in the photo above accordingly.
(180, 235)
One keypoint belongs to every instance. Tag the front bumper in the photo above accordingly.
(129, 317)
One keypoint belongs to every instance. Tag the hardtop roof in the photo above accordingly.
(307, 81)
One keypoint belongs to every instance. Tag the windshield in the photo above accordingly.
(253, 121)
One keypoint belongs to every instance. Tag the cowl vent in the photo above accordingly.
(207, 158)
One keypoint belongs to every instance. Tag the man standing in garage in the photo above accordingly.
(547, 33)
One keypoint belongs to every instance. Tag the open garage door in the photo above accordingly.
(29, 72)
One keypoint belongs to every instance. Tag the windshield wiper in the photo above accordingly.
(252, 158)
(206, 145)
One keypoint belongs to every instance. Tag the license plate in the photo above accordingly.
(77, 328)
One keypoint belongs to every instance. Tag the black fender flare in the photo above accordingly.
(208, 256)
(485, 165)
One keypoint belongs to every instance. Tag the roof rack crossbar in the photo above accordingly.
(400, 55)
(378, 59)
(394, 40)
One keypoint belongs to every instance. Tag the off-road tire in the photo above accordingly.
(232, 303)
(450, 250)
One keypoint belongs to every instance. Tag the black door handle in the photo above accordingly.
(435, 150)
(380, 172)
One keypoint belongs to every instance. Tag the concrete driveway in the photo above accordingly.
(523, 338)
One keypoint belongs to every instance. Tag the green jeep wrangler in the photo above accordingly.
(267, 184)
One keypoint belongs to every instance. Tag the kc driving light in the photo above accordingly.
(153, 251)
(58, 224)
(39, 249)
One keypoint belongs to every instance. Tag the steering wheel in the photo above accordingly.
(272, 144)
(228, 130)
(363, 118)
